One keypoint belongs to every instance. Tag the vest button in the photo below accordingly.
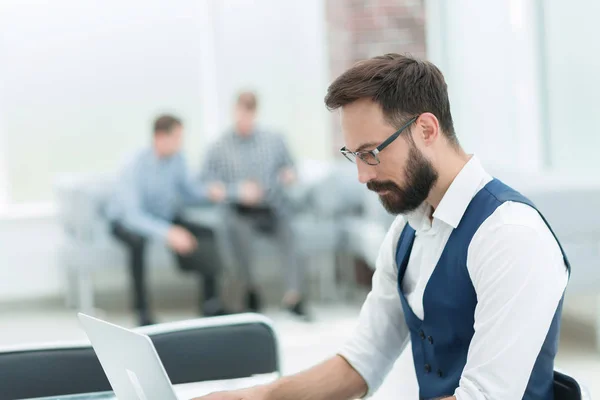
(440, 373)
(422, 334)
(430, 339)
(427, 368)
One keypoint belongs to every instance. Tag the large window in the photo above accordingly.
(523, 80)
(573, 84)
(81, 81)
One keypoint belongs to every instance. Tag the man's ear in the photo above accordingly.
(429, 128)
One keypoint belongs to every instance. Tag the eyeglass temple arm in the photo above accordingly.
(395, 135)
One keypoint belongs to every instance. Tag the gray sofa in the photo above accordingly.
(335, 215)
(568, 202)
(328, 205)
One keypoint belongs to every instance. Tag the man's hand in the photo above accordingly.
(254, 393)
(217, 192)
(287, 176)
(332, 379)
(181, 240)
(224, 396)
(250, 193)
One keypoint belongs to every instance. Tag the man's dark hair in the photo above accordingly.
(248, 101)
(166, 124)
(403, 86)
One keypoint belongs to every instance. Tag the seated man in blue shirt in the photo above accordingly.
(146, 204)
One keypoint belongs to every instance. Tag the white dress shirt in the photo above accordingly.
(518, 273)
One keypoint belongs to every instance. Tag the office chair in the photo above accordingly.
(566, 388)
(219, 348)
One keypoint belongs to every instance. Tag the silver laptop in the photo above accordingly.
(129, 360)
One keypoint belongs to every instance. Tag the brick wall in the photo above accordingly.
(359, 29)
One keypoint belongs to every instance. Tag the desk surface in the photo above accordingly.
(187, 391)
(191, 390)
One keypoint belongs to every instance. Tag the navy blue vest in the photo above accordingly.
(440, 342)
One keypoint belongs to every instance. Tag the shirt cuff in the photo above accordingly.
(368, 366)
(232, 191)
(161, 231)
(468, 390)
(155, 229)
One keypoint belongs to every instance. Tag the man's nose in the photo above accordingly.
(366, 172)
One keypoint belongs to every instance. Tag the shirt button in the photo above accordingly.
(427, 368)
(422, 334)
(430, 339)
(440, 373)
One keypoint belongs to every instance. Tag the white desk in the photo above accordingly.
(186, 391)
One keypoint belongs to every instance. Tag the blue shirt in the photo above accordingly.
(150, 192)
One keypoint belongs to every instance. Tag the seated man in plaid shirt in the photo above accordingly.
(255, 166)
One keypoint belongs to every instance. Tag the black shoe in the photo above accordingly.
(144, 318)
(253, 302)
(299, 310)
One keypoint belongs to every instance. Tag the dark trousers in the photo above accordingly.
(204, 261)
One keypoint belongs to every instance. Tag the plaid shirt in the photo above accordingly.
(259, 157)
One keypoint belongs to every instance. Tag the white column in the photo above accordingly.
(209, 77)
(4, 187)
(528, 83)
(489, 52)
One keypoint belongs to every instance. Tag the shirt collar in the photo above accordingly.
(151, 151)
(156, 160)
(451, 209)
(244, 139)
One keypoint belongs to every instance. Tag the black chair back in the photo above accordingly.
(235, 346)
(50, 371)
(199, 350)
(565, 387)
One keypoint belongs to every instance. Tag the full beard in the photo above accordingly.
(421, 176)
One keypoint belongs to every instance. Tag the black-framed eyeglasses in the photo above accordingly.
(370, 156)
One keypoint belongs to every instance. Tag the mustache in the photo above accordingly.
(377, 186)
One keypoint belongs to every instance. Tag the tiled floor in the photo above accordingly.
(303, 344)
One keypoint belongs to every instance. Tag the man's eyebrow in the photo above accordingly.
(365, 146)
